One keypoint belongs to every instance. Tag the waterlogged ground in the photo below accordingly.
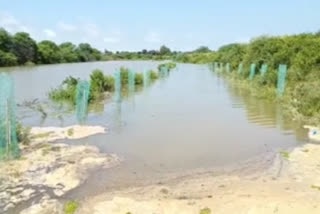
(191, 121)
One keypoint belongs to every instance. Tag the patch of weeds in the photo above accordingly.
(42, 135)
(315, 187)
(45, 151)
(128, 213)
(46, 148)
(285, 155)
(205, 211)
(56, 148)
(183, 197)
(305, 150)
(164, 191)
(70, 207)
(16, 174)
(70, 132)
(23, 134)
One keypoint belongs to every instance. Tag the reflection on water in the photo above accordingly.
(265, 113)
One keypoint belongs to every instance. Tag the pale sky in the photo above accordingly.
(148, 24)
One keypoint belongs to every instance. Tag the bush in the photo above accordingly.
(23, 134)
(66, 91)
(306, 98)
(99, 83)
(153, 75)
(124, 72)
(138, 79)
(70, 207)
(8, 59)
(169, 65)
(108, 83)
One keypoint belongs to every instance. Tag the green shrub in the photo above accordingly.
(70, 207)
(124, 72)
(70, 132)
(306, 98)
(108, 83)
(205, 211)
(138, 79)
(97, 81)
(29, 63)
(23, 134)
(66, 91)
(153, 75)
(169, 65)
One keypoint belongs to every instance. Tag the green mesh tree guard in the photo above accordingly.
(240, 68)
(117, 86)
(164, 71)
(216, 68)
(8, 134)
(82, 100)
(264, 69)
(252, 71)
(282, 73)
(146, 78)
(228, 67)
(221, 67)
(131, 82)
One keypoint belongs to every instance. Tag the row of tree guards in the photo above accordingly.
(9, 148)
(83, 90)
(282, 73)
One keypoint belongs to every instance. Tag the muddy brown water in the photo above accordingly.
(191, 120)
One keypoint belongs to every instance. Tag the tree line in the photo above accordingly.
(21, 49)
(301, 54)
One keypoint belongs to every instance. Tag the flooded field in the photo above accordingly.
(192, 120)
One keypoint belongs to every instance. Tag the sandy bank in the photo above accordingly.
(50, 134)
(290, 185)
(50, 170)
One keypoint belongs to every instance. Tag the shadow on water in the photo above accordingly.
(265, 113)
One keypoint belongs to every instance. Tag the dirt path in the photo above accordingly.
(290, 185)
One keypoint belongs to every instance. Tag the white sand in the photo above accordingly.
(71, 132)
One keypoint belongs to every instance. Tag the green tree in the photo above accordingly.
(87, 53)
(48, 52)
(68, 52)
(202, 49)
(164, 50)
(5, 40)
(7, 59)
(233, 53)
(24, 47)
